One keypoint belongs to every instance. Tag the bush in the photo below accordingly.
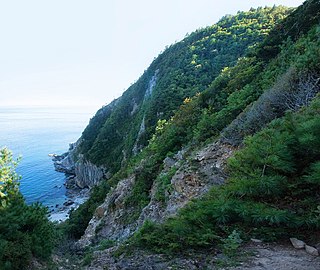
(290, 93)
(272, 192)
(231, 244)
(25, 230)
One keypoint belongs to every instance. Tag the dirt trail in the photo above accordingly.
(279, 257)
(262, 257)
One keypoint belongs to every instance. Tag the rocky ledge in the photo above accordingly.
(63, 163)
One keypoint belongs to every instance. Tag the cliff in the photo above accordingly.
(82, 172)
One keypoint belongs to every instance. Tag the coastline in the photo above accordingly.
(74, 198)
(74, 195)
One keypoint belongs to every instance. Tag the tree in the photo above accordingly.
(25, 230)
(8, 177)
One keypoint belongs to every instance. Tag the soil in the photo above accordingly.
(253, 256)
(257, 256)
(278, 257)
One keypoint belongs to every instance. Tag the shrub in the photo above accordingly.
(272, 191)
(25, 230)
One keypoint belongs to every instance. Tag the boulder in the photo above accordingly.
(311, 250)
(297, 243)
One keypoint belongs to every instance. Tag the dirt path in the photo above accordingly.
(279, 257)
(262, 257)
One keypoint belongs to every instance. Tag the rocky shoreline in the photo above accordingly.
(75, 196)
(81, 176)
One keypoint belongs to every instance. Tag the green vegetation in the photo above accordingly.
(231, 93)
(183, 70)
(272, 191)
(25, 230)
(252, 81)
(237, 82)
(124, 127)
(191, 105)
(164, 184)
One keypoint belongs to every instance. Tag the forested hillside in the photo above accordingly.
(122, 128)
(262, 105)
(178, 75)
(25, 231)
(216, 143)
(242, 86)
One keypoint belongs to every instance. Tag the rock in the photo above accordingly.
(256, 240)
(311, 250)
(169, 162)
(297, 243)
(100, 212)
(113, 219)
(80, 172)
(108, 219)
(88, 174)
(68, 203)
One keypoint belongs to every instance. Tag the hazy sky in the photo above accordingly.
(81, 52)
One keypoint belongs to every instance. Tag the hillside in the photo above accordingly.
(210, 160)
(216, 143)
(122, 128)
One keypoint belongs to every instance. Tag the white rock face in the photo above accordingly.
(136, 147)
(152, 84)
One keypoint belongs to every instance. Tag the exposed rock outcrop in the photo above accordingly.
(71, 163)
(87, 174)
(107, 219)
(136, 148)
(193, 178)
(151, 85)
(65, 163)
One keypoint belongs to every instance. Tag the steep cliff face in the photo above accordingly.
(85, 173)
(192, 176)
(88, 174)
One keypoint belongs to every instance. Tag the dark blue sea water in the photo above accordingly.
(33, 133)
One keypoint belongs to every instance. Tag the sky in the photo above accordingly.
(86, 53)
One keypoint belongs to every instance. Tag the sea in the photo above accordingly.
(33, 134)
